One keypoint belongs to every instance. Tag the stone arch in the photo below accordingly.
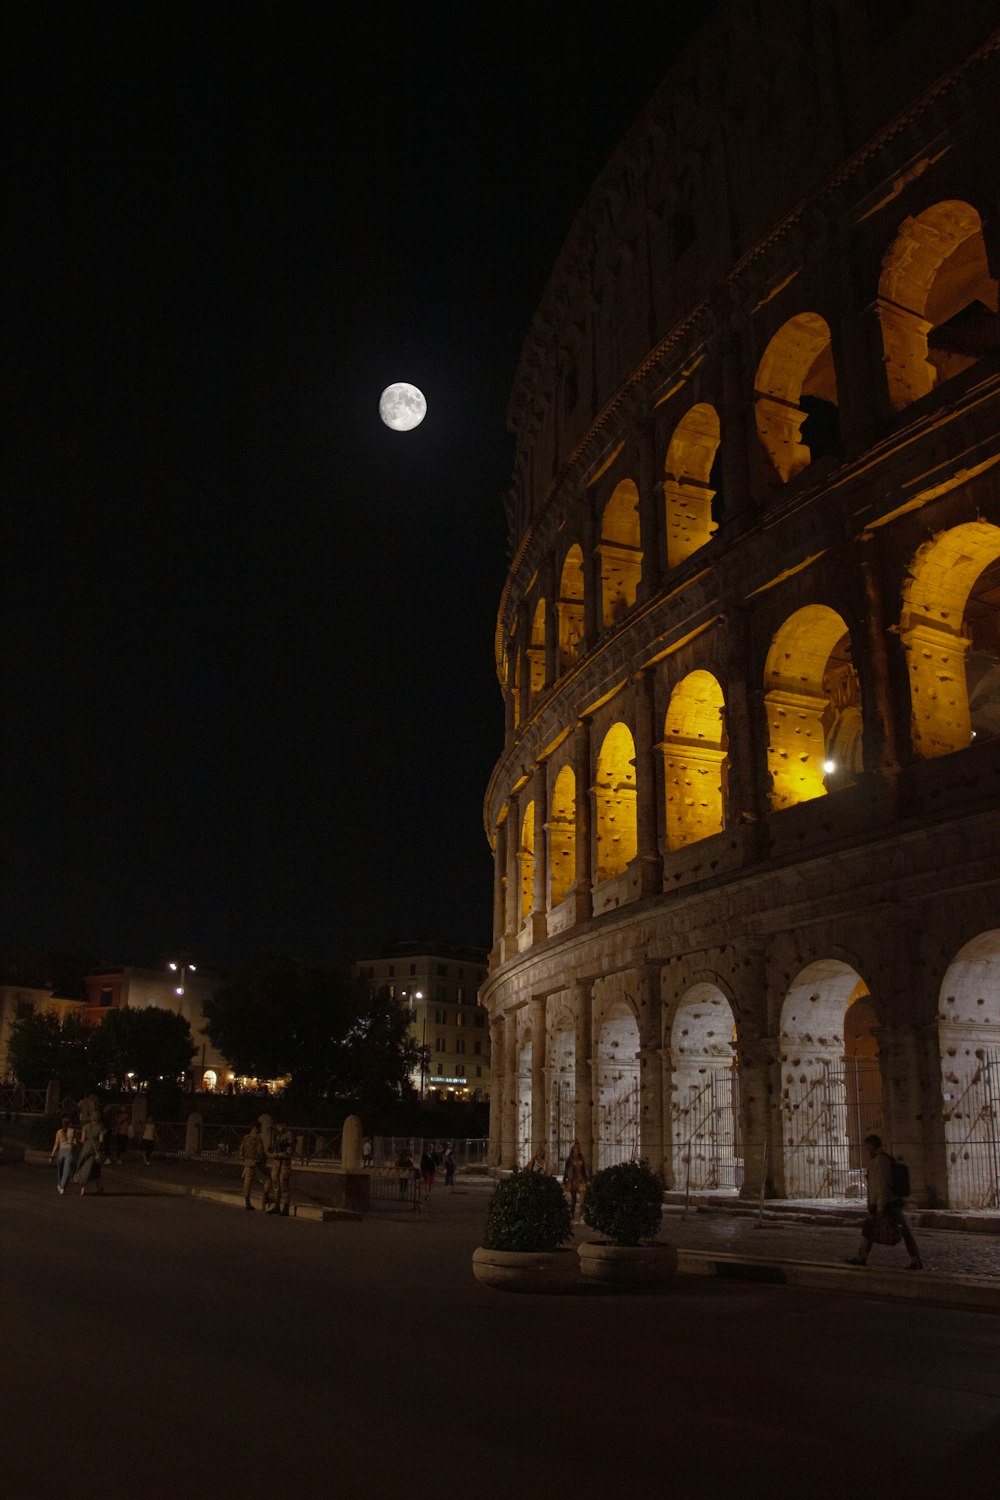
(616, 1084)
(562, 836)
(969, 1041)
(950, 630)
(688, 482)
(795, 400)
(813, 703)
(831, 1082)
(615, 831)
(695, 760)
(526, 860)
(561, 1085)
(536, 652)
(620, 550)
(569, 609)
(704, 1109)
(935, 300)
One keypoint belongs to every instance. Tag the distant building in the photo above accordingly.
(183, 990)
(29, 978)
(439, 984)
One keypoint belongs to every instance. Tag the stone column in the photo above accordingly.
(880, 740)
(509, 697)
(650, 1066)
(537, 1074)
(746, 727)
(759, 1073)
(539, 894)
(648, 856)
(500, 882)
(583, 1010)
(523, 639)
(650, 511)
(497, 1088)
(513, 873)
(583, 886)
(910, 1065)
(551, 625)
(508, 1133)
(591, 582)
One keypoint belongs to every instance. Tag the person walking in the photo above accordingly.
(449, 1167)
(88, 1167)
(62, 1153)
(575, 1179)
(886, 1223)
(279, 1192)
(252, 1153)
(148, 1141)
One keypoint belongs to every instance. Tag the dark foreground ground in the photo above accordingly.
(160, 1346)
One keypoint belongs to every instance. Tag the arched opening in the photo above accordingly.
(691, 482)
(526, 859)
(813, 700)
(620, 549)
(536, 652)
(950, 630)
(209, 1080)
(524, 1148)
(796, 398)
(614, 804)
(969, 1041)
(616, 1086)
(695, 760)
(831, 1084)
(562, 1090)
(569, 609)
(562, 836)
(704, 1111)
(937, 301)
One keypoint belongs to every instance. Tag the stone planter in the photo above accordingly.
(527, 1270)
(628, 1265)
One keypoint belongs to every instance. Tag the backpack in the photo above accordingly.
(899, 1179)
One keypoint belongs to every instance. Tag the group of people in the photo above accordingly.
(574, 1175)
(433, 1158)
(88, 1137)
(270, 1159)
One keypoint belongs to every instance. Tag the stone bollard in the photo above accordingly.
(52, 1098)
(140, 1112)
(267, 1130)
(350, 1146)
(192, 1135)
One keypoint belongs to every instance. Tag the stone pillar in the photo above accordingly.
(910, 1065)
(551, 625)
(523, 639)
(746, 726)
(52, 1097)
(140, 1114)
(650, 511)
(351, 1155)
(266, 1130)
(192, 1135)
(583, 1010)
(508, 1134)
(513, 919)
(539, 894)
(880, 743)
(908, 372)
(509, 697)
(583, 887)
(537, 1074)
(500, 882)
(497, 1086)
(592, 606)
(648, 857)
(651, 1135)
(760, 1122)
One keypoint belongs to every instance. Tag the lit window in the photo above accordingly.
(460, 1018)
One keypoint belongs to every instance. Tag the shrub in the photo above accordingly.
(625, 1203)
(528, 1211)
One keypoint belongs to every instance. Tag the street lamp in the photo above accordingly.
(419, 995)
(183, 970)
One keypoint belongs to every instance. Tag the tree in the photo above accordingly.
(149, 1044)
(42, 1048)
(334, 1035)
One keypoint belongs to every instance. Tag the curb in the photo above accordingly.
(966, 1293)
(313, 1211)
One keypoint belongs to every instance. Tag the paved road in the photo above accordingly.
(166, 1347)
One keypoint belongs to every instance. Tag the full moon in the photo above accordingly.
(402, 406)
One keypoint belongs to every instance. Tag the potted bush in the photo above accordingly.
(527, 1224)
(624, 1204)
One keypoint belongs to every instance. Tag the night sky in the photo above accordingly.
(248, 694)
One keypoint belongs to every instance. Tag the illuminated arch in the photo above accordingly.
(831, 1083)
(694, 760)
(935, 296)
(614, 803)
(950, 630)
(569, 609)
(969, 1042)
(536, 652)
(687, 482)
(562, 836)
(796, 398)
(526, 859)
(620, 550)
(813, 703)
(616, 1085)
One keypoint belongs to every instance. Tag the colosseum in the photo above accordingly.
(746, 819)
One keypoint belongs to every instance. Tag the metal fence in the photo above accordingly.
(396, 1188)
(618, 1127)
(827, 1114)
(15, 1099)
(708, 1147)
(972, 1135)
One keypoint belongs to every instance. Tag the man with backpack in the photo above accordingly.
(888, 1185)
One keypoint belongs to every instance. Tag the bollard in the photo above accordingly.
(192, 1135)
(350, 1150)
(51, 1097)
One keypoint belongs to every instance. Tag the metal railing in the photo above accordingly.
(397, 1188)
(972, 1135)
(15, 1099)
(826, 1118)
(707, 1142)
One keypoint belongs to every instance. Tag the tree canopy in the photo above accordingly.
(335, 1035)
(149, 1043)
(43, 1048)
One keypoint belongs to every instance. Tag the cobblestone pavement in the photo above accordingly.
(947, 1251)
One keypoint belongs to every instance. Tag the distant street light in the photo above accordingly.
(418, 995)
(183, 970)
